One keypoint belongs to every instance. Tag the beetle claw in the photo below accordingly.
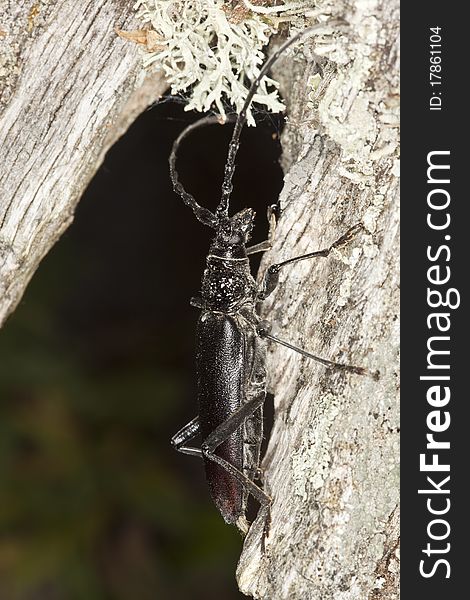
(242, 524)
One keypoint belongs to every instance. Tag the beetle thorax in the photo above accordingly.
(227, 284)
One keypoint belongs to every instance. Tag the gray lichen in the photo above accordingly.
(213, 49)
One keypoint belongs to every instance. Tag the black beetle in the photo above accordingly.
(231, 352)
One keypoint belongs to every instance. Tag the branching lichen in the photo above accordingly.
(212, 50)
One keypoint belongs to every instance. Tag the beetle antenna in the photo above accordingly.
(227, 186)
(204, 215)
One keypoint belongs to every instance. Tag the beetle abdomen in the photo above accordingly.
(220, 360)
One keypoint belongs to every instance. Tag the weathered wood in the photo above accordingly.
(332, 461)
(70, 88)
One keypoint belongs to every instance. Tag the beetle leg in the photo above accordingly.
(267, 244)
(271, 276)
(230, 425)
(220, 434)
(254, 490)
(263, 332)
(184, 435)
(323, 361)
(261, 247)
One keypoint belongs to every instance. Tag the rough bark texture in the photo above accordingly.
(72, 87)
(332, 461)
(69, 87)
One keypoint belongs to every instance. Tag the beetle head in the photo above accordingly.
(233, 233)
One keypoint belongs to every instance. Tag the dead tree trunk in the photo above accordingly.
(71, 87)
(332, 461)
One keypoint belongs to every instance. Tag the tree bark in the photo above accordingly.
(332, 462)
(69, 88)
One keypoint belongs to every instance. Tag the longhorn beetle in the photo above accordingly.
(230, 351)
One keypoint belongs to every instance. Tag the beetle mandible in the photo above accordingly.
(230, 348)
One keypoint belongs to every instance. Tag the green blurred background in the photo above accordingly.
(96, 374)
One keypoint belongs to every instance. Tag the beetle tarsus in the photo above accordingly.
(243, 524)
